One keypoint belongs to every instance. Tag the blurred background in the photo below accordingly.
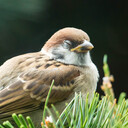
(25, 25)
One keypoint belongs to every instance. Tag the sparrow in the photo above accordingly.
(25, 79)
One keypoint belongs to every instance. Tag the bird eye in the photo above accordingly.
(67, 44)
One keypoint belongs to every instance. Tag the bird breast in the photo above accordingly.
(87, 81)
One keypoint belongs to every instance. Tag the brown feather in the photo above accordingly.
(26, 93)
(72, 34)
(25, 80)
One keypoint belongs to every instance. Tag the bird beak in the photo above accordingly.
(84, 47)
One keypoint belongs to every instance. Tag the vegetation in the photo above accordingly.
(102, 112)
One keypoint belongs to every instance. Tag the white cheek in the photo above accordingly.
(69, 57)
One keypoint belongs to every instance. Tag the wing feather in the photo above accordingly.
(29, 90)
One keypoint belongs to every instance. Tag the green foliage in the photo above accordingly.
(107, 79)
(20, 122)
(78, 114)
(105, 66)
(99, 114)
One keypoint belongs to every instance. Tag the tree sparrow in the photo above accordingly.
(25, 80)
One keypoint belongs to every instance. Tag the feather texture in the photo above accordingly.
(30, 88)
(25, 80)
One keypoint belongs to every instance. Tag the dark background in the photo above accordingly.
(25, 25)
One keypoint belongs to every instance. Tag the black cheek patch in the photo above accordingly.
(57, 55)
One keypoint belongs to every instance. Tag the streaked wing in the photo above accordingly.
(30, 89)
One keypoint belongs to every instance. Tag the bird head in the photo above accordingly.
(70, 46)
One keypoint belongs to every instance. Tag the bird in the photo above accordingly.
(65, 58)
